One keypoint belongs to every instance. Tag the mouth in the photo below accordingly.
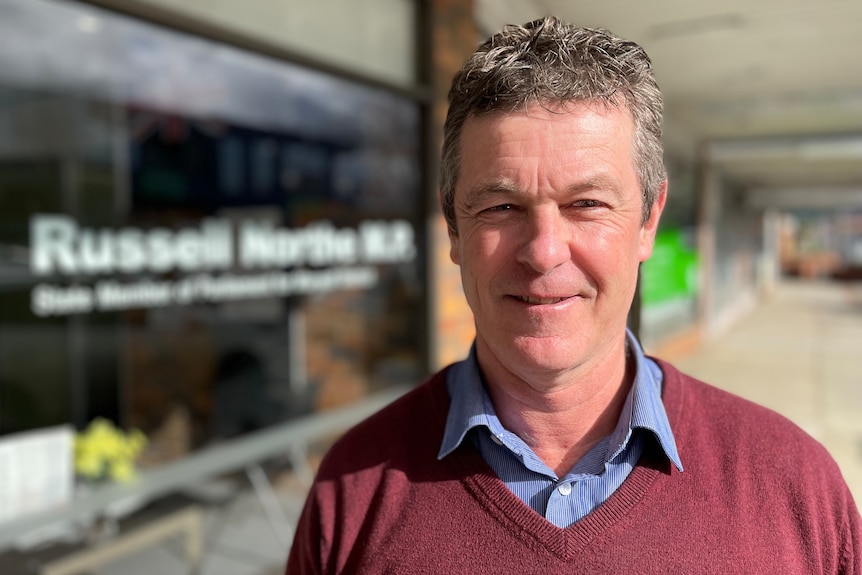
(541, 300)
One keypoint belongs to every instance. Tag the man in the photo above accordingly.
(557, 445)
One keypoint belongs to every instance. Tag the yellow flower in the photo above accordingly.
(121, 471)
(88, 464)
(137, 441)
(104, 452)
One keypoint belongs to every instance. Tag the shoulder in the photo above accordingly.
(411, 425)
(760, 463)
(706, 419)
(694, 404)
(367, 476)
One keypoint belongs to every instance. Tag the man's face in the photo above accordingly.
(550, 235)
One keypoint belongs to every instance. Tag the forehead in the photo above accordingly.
(571, 141)
(614, 111)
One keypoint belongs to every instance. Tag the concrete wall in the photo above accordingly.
(738, 253)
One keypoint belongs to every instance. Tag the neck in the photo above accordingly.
(561, 423)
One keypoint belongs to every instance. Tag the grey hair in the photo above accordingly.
(551, 63)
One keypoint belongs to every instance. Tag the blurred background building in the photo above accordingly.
(220, 217)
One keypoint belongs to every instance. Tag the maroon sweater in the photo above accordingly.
(757, 495)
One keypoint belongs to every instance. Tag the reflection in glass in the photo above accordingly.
(148, 141)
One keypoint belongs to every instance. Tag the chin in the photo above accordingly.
(547, 354)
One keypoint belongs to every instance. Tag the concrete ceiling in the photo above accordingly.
(771, 90)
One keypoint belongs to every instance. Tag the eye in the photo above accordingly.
(499, 208)
(588, 204)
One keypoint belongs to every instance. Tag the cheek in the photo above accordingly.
(484, 263)
(606, 254)
(483, 249)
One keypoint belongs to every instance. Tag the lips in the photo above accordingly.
(541, 300)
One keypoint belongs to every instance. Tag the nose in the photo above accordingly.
(544, 243)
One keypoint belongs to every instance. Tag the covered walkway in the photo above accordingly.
(800, 353)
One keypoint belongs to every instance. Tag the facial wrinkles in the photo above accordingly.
(499, 190)
(547, 217)
(543, 170)
(543, 175)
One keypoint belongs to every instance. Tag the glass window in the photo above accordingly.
(196, 240)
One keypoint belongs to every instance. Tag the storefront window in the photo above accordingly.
(196, 240)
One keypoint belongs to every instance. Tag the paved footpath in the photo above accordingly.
(800, 353)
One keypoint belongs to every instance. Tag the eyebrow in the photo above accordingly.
(597, 182)
(502, 187)
(505, 187)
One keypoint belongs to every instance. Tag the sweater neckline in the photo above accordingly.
(515, 515)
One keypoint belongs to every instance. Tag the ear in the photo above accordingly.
(650, 227)
(454, 247)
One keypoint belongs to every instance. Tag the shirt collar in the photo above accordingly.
(471, 406)
(468, 408)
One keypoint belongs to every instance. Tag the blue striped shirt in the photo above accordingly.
(561, 500)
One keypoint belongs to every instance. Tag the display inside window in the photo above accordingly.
(195, 240)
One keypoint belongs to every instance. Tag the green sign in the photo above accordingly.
(671, 272)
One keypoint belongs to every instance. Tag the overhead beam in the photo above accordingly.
(806, 197)
(807, 148)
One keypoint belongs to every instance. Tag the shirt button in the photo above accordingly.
(564, 489)
(496, 439)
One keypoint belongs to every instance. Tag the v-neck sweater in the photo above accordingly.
(758, 495)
